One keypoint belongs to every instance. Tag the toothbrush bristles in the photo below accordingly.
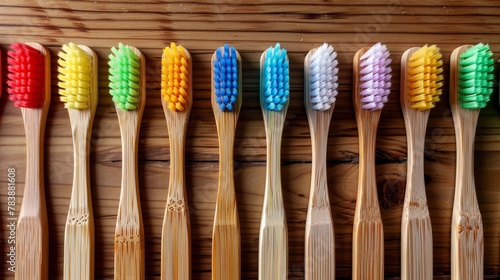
(323, 76)
(375, 77)
(476, 77)
(226, 77)
(75, 77)
(26, 76)
(276, 78)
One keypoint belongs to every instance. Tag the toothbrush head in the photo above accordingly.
(275, 79)
(375, 77)
(323, 76)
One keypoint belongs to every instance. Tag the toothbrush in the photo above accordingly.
(421, 82)
(471, 84)
(320, 84)
(226, 104)
(177, 99)
(29, 89)
(127, 86)
(274, 98)
(372, 83)
(78, 90)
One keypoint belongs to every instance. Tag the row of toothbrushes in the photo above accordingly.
(471, 82)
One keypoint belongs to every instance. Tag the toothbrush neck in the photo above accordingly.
(465, 124)
(367, 129)
(416, 124)
(130, 126)
(177, 129)
(34, 185)
(81, 131)
(227, 127)
(319, 123)
(274, 132)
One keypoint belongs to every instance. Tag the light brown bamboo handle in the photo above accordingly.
(129, 233)
(32, 236)
(176, 232)
(320, 239)
(368, 234)
(79, 230)
(226, 251)
(467, 240)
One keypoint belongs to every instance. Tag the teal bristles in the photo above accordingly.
(276, 79)
(475, 84)
(226, 77)
(124, 77)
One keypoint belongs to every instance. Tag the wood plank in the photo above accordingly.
(299, 25)
(202, 185)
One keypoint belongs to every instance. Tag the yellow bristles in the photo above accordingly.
(75, 77)
(425, 77)
(174, 77)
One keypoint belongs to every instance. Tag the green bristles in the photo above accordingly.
(475, 83)
(124, 77)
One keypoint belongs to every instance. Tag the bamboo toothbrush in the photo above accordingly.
(421, 82)
(471, 84)
(127, 86)
(274, 98)
(226, 103)
(320, 90)
(372, 83)
(177, 99)
(78, 90)
(29, 89)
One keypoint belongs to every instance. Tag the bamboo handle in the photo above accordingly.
(79, 231)
(226, 260)
(32, 232)
(226, 255)
(368, 235)
(416, 227)
(467, 241)
(32, 228)
(129, 234)
(176, 241)
(320, 240)
(273, 237)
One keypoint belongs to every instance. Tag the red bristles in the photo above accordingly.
(26, 77)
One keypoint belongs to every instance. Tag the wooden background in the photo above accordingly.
(252, 26)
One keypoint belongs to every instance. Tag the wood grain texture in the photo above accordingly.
(202, 26)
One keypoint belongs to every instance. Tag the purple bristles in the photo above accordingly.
(375, 77)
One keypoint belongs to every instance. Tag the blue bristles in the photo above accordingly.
(276, 78)
(226, 77)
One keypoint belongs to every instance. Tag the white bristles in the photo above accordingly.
(323, 78)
